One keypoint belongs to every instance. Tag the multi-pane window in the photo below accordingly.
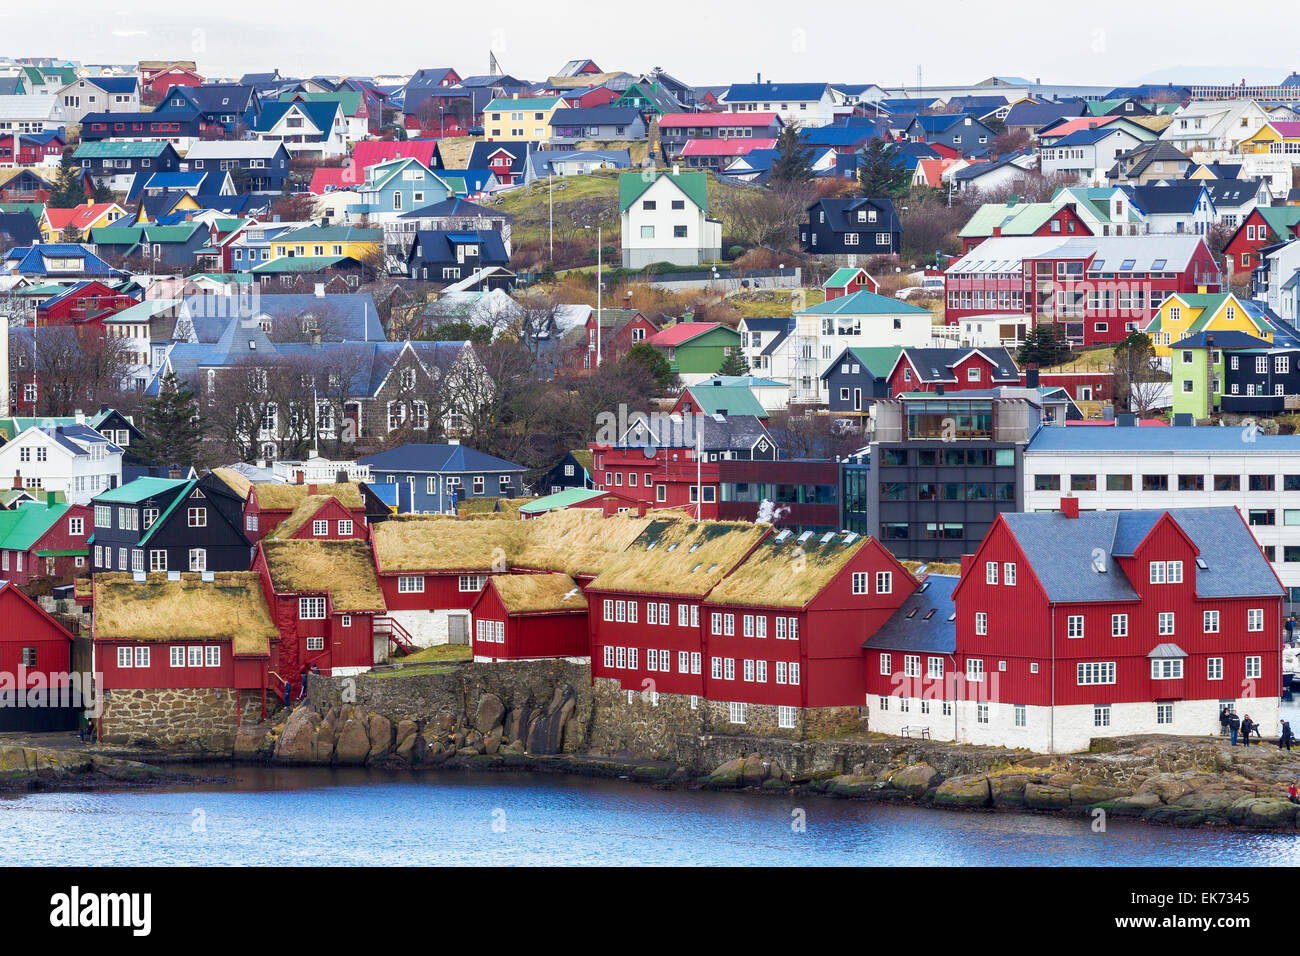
(990, 572)
(1164, 713)
(934, 667)
(911, 665)
(1167, 668)
(1119, 625)
(975, 670)
(886, 665)
(1214, 668)
(320, 528)
(981, 622)
(1255, 619)
(410, 584)
(1253, 667)
(198, 517)
(1074, 625)
(1166, 623)
(1009, 572)
(311, 608)
(884, 582)
(1211, 622)
(859, 582)
(1095, 672)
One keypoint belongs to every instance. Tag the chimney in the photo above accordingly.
(676, 169)
(18, 481)
(299, 477)
(320, 290)
(1031, 378)
(311, 489)
(1209, 338)
(79, 417)
(966, 561)
(997, 231)
(641, 507)
(1070, 506)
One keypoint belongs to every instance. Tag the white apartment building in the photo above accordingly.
(1127, 468)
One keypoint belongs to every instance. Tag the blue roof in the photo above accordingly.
(1075, 558)
(1156, 439)
(1086, 137)
(114, 84)
(923, 622)
(430, 458)
(768, 92)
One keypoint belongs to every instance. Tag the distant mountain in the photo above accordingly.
(1253, 73)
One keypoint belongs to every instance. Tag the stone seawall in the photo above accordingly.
(548, 716)
(201, 718)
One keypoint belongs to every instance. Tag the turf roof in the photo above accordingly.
(230, 607)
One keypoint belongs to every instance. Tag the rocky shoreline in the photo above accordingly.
(28, 769)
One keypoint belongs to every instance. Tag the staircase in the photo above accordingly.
(396, 634)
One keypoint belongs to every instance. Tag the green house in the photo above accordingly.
(1196, 365)
(696, 348)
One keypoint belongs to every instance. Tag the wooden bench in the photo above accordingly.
(922, 732)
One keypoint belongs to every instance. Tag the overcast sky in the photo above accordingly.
(701, 41)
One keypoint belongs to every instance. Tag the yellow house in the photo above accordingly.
(1181, 315)
(524, 118)
(1276, 137)
(329, 242)
(70, 225)
(186, 203)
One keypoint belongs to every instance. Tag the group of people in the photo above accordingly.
(1232, 726)
(302, 692)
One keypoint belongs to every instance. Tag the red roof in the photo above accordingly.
(725, 147)
(1286, 128)
(328, 178)
(1076, 123)
(682, 332)
(370, 152)
(78, 218)
(716, 119)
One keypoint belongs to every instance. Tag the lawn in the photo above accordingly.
(439, 652)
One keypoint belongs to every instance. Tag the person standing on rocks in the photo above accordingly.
(1234, 722)
(1223, 721)
(1247, 725)
(288, 693)
(1284, 739)
(1292, 793)
(302, 694)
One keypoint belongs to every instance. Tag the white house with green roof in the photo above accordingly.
(665, 218)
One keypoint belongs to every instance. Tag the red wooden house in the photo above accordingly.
(646, 614)
(157, 80)
(431, 570)
(26, 149)
(1097, 288)
(36, 652)
(320, 518)
(1265, 226)
(269, 503)
(1073, 626)
(83, 304)
(42, 539)
(324, 598)
(527, 616)
(173, 631)
(785, 628)
(620, 329)
(590, 97)
(847, 281)
(952, 370)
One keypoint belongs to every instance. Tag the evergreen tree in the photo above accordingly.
(643, 353)
(68, 192)
(102, 192)
(736, 364)
(171, 428)
(1043, 346)
(881, 171)
(793, 160)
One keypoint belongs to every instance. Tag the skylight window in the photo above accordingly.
(805, 536)
(712, 568)
(1200, 563)
(928, 614)
(1158, 264)
(697, 567)
(1127, 264)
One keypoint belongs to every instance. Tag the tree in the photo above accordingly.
(881, 171)
(736, 364)
(793, 162)
(1139, 378)
(172, 431)
(68, 191)
(1043, 346)
(102, 193)
(767, 217)
(652, 360)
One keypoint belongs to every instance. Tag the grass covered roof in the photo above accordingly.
(428, 543)
(236, 482)
(299, 516)
(343, 568)
(532, 593)
(578, 540)
(230, 607)
(282, 496)
(681, 557)
(786, 573)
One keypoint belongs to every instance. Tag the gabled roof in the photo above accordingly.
(863, 303)
(431, 459)
(769, 92)
(938, 365)
(726, 399)
(683, 332)
(344, 569)
(680, 557)
(693, 184)
(879, 361)
(1057, 547)
(925, 621)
